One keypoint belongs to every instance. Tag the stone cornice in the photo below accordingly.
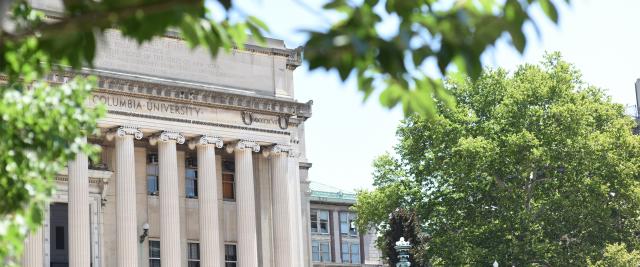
(198, 95)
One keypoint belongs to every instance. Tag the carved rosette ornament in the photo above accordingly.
(206, 140)
(125, 130)
(166, 136)
(242, 144)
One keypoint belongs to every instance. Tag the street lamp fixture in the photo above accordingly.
(145, 232)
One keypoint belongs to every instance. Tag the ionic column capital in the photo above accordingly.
(123, 131)
(206, 140)
(244, 144)
(277, 149)
(166, 136)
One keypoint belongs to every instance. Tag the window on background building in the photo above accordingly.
(350, 252)
(154, 253)
(153, 185)
(320, 221)
(348, 224)
(191, 176)
(320, 251)
(228, 180)
(193, 254)
(230, 256)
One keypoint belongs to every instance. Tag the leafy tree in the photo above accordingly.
(530, 168)
(616, 255)
(42, 122)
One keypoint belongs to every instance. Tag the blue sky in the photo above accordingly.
(344, 135)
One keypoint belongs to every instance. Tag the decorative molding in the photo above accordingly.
(124, 130)
(203, 95)
(230, 126)
(206, 140)
(166, 136)
(281, 149)
(276, 149)
(242, 144)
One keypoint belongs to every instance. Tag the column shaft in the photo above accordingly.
(208, 200)
(294, 226)
(169, 204)
(33, 249)
(79, 240)
(126, 222)
(284, 252)
(298, 212)
(246, 223)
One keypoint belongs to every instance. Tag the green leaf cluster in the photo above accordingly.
(448, 35)
(531, 168)
(616, 255)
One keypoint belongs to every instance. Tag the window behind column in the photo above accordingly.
(153, 185)
(228, 180)
(348, 223)
(154, 253)
(191, 178)
(230, 255)
(350, 252)
(319, 221)
(193, 254)
(320, 251)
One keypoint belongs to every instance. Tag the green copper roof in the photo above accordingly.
(326, 193)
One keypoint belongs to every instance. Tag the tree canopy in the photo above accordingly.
(532, 167)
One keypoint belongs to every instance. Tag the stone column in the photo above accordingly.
(33, 249)
(126, 221)
(245, 202)
(79, 241)
(297, 215)
(208, 201)
(283, 237)
(170, 249)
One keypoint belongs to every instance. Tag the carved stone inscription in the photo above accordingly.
(151, 106)
(166, 109)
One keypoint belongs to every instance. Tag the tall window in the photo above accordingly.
(191, 176)
(320, 221)
(320, 251)
(154, 253)
(348, 224)
(153, 172)
(193, 254)
(350, 252)
(228, 180)
(230, 256)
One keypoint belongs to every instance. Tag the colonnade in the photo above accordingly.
(286, 220)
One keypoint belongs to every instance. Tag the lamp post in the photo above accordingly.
(402, 247)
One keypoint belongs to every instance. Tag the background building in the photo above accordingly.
(335, 240)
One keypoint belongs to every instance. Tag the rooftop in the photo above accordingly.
(326, 193)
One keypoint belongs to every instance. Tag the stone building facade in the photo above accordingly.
(203, 162)
(335, 241)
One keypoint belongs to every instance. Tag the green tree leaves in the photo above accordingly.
(450, 34)
(528, 168)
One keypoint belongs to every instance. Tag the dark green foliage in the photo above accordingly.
(401, 223)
